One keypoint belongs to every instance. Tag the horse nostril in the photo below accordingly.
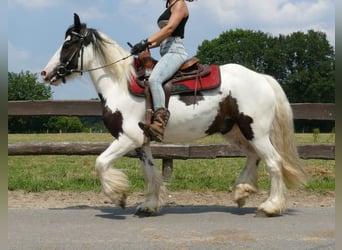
(43, 73)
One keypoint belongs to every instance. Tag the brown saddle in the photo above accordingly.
(144, 64)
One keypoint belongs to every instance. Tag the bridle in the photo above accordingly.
(64, 69)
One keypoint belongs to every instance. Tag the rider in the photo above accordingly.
(172, 25)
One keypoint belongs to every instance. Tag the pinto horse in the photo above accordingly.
(248, 109)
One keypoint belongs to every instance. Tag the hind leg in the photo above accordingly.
(155, 191)
(275, 204)
(247, 182)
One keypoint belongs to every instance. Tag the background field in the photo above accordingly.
(77, 173)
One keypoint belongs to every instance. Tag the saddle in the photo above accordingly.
(190, 78)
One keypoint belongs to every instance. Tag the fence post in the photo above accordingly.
(167, 168)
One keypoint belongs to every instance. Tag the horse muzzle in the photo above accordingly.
(53, 77)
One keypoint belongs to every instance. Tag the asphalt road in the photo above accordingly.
(199, 227)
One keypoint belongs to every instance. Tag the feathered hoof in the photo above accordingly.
(240, 202)
(144, 212)
(242, 192)
(270, 209)
(264, 214)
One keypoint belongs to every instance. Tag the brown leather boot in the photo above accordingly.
(159, 121)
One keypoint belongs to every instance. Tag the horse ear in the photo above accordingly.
(77, 22)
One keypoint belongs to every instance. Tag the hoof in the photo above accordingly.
(123, 201)
(271, 208)
(261, 214)
(141, 213)
(242, 192)
(241, 202)
(264, 214)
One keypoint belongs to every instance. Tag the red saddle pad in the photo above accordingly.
(210, 81)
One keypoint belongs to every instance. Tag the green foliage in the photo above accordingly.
(93, 124)
(316, 132)
(310, 66)
(65, 124)
(303, 63)
(244, 47)
(25, 86)
(26, 124)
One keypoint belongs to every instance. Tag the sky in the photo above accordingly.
(36, 28)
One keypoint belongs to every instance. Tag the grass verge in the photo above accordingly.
(77, 173)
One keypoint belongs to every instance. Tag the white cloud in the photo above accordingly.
(235, 11)
(274, 16)
(17, 58)
(34, 3)
(92, 13)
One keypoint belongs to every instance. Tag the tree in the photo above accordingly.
(304, 64)
(25, 86)
(244, 47)
(310, 67)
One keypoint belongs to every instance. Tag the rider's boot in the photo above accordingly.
(155, 131)
(159, 121)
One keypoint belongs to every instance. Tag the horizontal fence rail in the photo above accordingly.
(160, 151)
(306, 111)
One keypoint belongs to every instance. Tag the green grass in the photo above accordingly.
(77, 173)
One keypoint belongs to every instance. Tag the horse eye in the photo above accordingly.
(67, 44)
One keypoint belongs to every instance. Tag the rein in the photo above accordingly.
(100, 67)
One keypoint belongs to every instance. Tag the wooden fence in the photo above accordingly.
(167, 152)
(306, 111)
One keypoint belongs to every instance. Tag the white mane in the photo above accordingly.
(111, 52)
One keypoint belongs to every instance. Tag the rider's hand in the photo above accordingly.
(140, 47)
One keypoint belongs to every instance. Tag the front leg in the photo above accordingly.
(155, 193)
(114, 182)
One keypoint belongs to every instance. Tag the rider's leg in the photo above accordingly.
(173, 57)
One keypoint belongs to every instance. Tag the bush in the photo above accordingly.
(66, 124)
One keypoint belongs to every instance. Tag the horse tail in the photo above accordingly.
(283, 138)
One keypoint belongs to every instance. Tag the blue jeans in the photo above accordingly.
(173, 55)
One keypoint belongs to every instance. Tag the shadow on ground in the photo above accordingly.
(116, 213)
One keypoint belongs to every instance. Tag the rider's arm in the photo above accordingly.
(178, 12)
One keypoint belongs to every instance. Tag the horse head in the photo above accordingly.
(65, 63)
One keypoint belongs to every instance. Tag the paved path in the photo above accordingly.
(199, 227)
